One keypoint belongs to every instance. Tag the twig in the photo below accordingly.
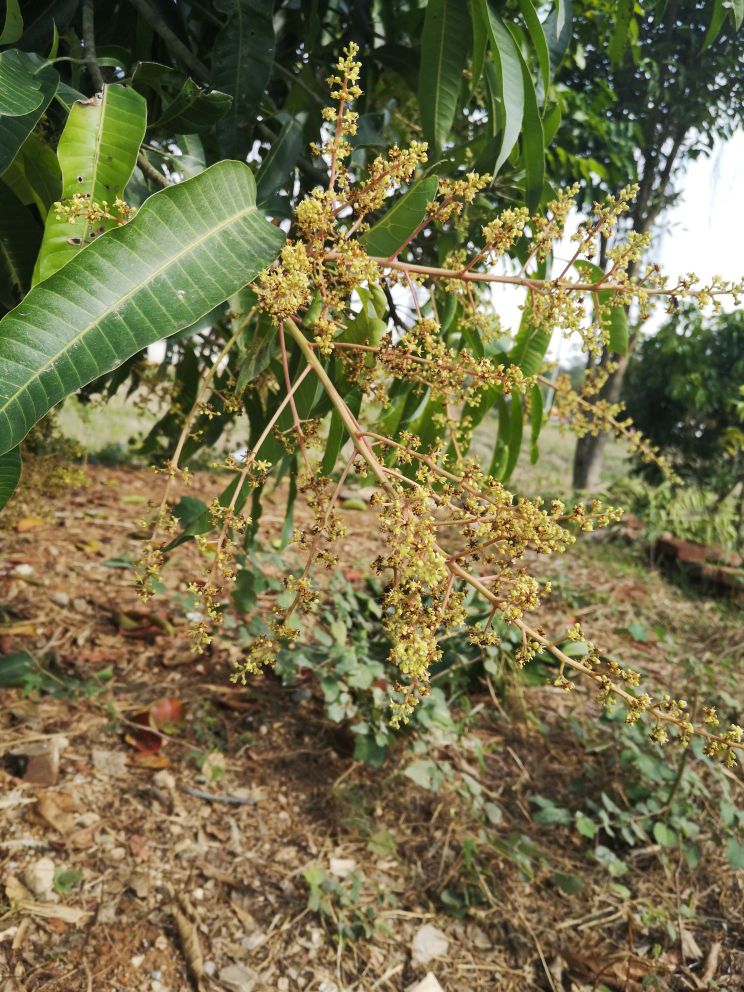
(150, 172)
(89, 46)
(171, 39)
(212, 797)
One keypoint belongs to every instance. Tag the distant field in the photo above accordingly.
(122, 425)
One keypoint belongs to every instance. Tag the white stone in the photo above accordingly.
(427, 984)
(236, 978)
(428, 943)
(39, 876)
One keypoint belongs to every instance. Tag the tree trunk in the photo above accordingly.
(589, 451)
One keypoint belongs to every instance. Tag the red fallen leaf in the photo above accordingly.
(161, 715)
(352, 575)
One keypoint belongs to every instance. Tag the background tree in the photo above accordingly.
(683, 390)
(645, 94)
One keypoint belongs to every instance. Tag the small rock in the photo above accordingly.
(427, 984)
(39, 877)
(41, 760)
(23, 570)
(210, 968)
(137, 960)
(113, 763)
(164, 780)
(60, 598)
(236, 978)
(342, 867)
(428, 943)
(253, 940)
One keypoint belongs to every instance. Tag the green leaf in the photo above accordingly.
(664, 835)
(34, 174)
(530, 346)
(570, 884)
(445, 46)
(585, 825)
(97, 153)
(10, 474)
(338, 435)
(13, 25)
(389, 234)
(557, 29)
(539, 43)
(735, 854)
(423, 773)
(516, 426)
(15, 130)
(188, 249)
(718, 16)
(620, 31)
(508, 64)
(536, 421)
(618, 319)
(241, 65)
(737, 12)
(194, 109)
(480, 43)
(20, 236)
(280, 159)
(20, 91)
(533, 149)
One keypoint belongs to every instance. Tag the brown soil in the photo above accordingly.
(186, 879)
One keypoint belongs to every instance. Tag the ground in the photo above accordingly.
(234, 856)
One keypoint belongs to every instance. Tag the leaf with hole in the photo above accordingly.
(97, 152)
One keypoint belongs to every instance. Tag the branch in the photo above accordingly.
(174, 43)
(89, 46)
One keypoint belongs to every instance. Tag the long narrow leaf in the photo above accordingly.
(508, 64)
(445, 46)
(539, 43)
(385, 239)
(533, 147)
(188, 249)
(241, 66)
(97, 152)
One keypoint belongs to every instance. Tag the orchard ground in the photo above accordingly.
(243, 847)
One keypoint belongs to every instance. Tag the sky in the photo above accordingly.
(703, 233)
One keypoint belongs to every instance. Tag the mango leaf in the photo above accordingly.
(536, 421)
(557, 27)
(337, 433)
(618, 319)
(20, 91)
(194, 109)
(530, 346)
(539, 43)
(241, 65)
(20, 236)
(388, 235)
(620, 31)
(516, 426)
(533, 150)
(15, 130)
(34, 175)
(508, 65)
(10, 474)
(280, 159)
(445, 46)
(97, 152)
(480, 43)
(188, 249)
(13, 24)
